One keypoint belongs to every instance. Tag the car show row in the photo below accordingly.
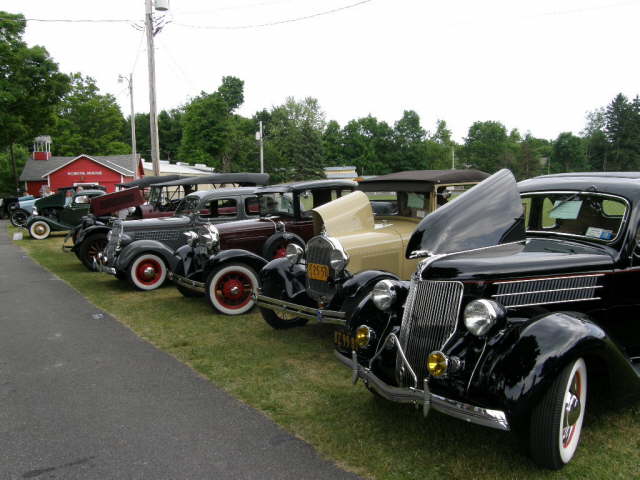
(496, 302)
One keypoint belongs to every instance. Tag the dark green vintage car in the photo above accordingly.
(76, 207)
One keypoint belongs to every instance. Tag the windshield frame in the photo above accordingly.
(578, 193)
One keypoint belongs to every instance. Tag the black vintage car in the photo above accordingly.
(142, 251)
(522, 301)
(228, 272)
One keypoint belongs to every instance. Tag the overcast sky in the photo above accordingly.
(538, 66)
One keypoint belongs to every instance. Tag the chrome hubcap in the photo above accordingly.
(235, 290)
(149, 273)
(40, 229)
(572, 410)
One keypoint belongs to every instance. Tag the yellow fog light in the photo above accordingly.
(437, 363)
(363, 336)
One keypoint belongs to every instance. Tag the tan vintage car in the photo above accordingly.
(361, 238)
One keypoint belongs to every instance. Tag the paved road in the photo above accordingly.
(81, 397)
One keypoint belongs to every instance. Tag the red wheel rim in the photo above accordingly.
(280, 251)
(233, 290)
(149, 271)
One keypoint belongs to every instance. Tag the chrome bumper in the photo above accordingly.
(463, 411)
(322, 316)
(187, 283)
(99, 265)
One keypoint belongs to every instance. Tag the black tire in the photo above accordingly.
(90, 247)
(18, 217)
(188, 293)
(276, 244)
(556, 422)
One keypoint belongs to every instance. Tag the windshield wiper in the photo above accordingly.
(591, 189)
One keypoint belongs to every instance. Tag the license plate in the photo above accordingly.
(342, 340)
(316, 271)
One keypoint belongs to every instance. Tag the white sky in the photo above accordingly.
(537, 66)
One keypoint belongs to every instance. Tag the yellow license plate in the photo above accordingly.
(316, 271)
(342, 340)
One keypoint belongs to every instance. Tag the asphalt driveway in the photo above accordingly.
(82, 397)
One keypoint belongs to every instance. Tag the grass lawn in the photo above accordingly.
(294, 379)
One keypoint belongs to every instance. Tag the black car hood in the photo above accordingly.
(488, 214)
(534, 257)
(153, 223)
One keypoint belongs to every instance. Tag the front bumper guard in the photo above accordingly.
(188, 283)
(99, 265)
(302, 311)
(463, 411)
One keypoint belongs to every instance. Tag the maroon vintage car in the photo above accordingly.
(225, 270)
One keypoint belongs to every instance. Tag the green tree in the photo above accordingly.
(622, 128)
(369, 145)
(487, 146)
(442, 134)
(88, 122)
(30, 87)
(568, 154)
(409, 138)
(333, 144)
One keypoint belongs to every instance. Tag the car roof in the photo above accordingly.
(219, 178)
(223, 192)
(420, 180)
(89, 192)
(308, 185)
(625, 184)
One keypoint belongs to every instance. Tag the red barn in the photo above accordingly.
(55, 172)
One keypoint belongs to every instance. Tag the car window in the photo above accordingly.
(586, 215)
(276, 204)
(187, 205)
(251, 206)
(220, 207)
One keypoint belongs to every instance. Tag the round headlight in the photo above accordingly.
(109, 235)
(211, 237)
(294, 253)
(383, 294)
(437, 363)
(364, 336)
(481, 315)
(338, 260)
(191, 238)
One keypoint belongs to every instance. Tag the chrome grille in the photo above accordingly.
(116, 232)
(430, 319)
(318, 251)
(547, 291)
(162, 236)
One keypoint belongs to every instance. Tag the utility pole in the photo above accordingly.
(134, 162)
(153, 118)
(259, 136)
(453, 158)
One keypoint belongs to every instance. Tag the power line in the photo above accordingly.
(278, 22)
(69, 20)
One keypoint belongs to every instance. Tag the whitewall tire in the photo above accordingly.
(556, 422)
(39, 230)
(147, 272)
(230, 288)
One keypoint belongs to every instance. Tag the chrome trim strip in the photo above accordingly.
(552, 303)
(588, 287)
(463, 411)
(320, 315)
(542, 279)
(187, 283)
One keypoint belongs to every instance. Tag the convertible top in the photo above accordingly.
(307, 185)
(146, 181)
(242, 179)
(419, 180)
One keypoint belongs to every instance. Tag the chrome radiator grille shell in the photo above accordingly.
(318, 251)
(430, 319)
(112, 246)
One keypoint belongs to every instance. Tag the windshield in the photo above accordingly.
(187, 205)
(581, 214)
(276, 204)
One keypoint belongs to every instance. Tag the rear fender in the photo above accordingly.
(236, 256)
(519, 366)
(139, 247)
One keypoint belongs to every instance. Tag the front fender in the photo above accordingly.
(519, 366)
(138, 247)
(85, 232)
(235, 255)
(279, 277)
(55, 226)
(358, 285)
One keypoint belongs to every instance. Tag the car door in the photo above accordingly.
(72, 214)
